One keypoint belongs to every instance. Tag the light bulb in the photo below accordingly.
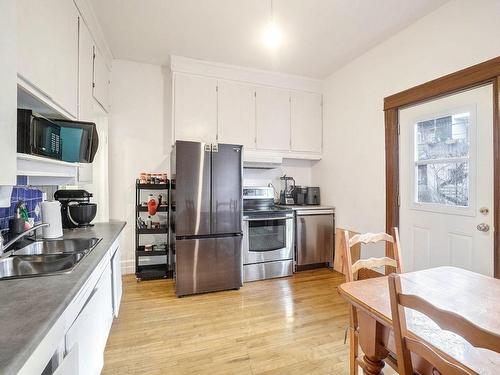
(272, 36)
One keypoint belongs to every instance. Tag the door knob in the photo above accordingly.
(483, 227)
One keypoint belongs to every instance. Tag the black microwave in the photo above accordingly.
(71, 141)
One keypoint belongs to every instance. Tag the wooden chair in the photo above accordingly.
(447, 320)
(352, 273)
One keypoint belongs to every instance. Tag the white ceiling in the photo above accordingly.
(319, 35)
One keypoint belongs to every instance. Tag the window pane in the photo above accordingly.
(443, 183)
(443, 137)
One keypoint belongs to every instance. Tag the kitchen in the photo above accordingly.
(182, 181)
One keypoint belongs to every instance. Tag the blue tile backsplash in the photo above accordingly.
(31, 196)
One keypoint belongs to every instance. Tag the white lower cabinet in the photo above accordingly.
(116, 272)
(90, 330)
(69, 365)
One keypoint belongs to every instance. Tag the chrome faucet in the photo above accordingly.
(5, 246)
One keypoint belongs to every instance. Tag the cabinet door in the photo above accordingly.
(8, 93)
(47, 54)
(117, 280)
(36, 26)
(65, 58)
(273, 119)
(195, 108)
(101, 79)
(69, 365)
(86, 61)
(236, 113)
(307, 122)
(91, 328)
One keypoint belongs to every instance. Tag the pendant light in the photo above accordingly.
(272, 36)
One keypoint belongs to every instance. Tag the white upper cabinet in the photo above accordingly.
(306, 122)
(236, 113)
(273, 119)
(101, 79)
(8, 98)
(47, 53)
(195, 108)
(85, 79)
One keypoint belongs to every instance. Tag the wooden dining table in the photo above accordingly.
(473, 296)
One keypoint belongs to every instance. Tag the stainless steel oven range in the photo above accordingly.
(267, 236)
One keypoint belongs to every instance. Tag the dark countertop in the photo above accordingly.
(30, 307)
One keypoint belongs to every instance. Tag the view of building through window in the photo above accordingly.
(442, 160)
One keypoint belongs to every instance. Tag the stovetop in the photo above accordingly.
(273, 210)
(259, 201)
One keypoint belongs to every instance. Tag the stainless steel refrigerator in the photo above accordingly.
(207, 216)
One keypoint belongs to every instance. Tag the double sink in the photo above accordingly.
(49, 257)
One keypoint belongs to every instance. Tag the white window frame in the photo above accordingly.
(470, 210)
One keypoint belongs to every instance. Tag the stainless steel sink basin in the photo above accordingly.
(48, 257)
(84, 245)
(38, 265)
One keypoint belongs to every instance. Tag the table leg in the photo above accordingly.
(372, 366)
(373, 338)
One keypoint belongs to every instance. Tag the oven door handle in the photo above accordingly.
(268, 218)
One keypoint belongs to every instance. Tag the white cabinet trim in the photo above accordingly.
(252, 76)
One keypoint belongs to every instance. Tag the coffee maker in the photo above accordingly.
(286, 195)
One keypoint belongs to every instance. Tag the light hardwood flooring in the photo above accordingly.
(292, 325)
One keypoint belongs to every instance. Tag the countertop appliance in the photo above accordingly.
(315, 236)
(313, 196)
(268, 236)
(76, 209)
(286, 195)
(71, 141)
(207, 196)
(299, 195)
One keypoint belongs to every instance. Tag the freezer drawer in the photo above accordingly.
(315, 238)
(208, 264)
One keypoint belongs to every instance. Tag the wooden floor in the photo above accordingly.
(287, 326)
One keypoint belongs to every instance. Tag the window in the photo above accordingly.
(442, 152)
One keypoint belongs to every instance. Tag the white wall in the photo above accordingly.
(351, 174)
(138, 139)
(300, 170)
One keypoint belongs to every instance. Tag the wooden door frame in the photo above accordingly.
(480, 74)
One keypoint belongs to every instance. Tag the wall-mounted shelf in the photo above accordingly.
(46, 171)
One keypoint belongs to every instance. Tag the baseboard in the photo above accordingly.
(128, 266)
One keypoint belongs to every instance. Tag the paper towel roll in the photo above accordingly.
(51, 214)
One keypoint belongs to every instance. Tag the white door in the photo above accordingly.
(446, 182)
(306, 122)
(273, 119)
(236, 113)
(195, 108)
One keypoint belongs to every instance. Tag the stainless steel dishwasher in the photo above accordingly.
(315, 238)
